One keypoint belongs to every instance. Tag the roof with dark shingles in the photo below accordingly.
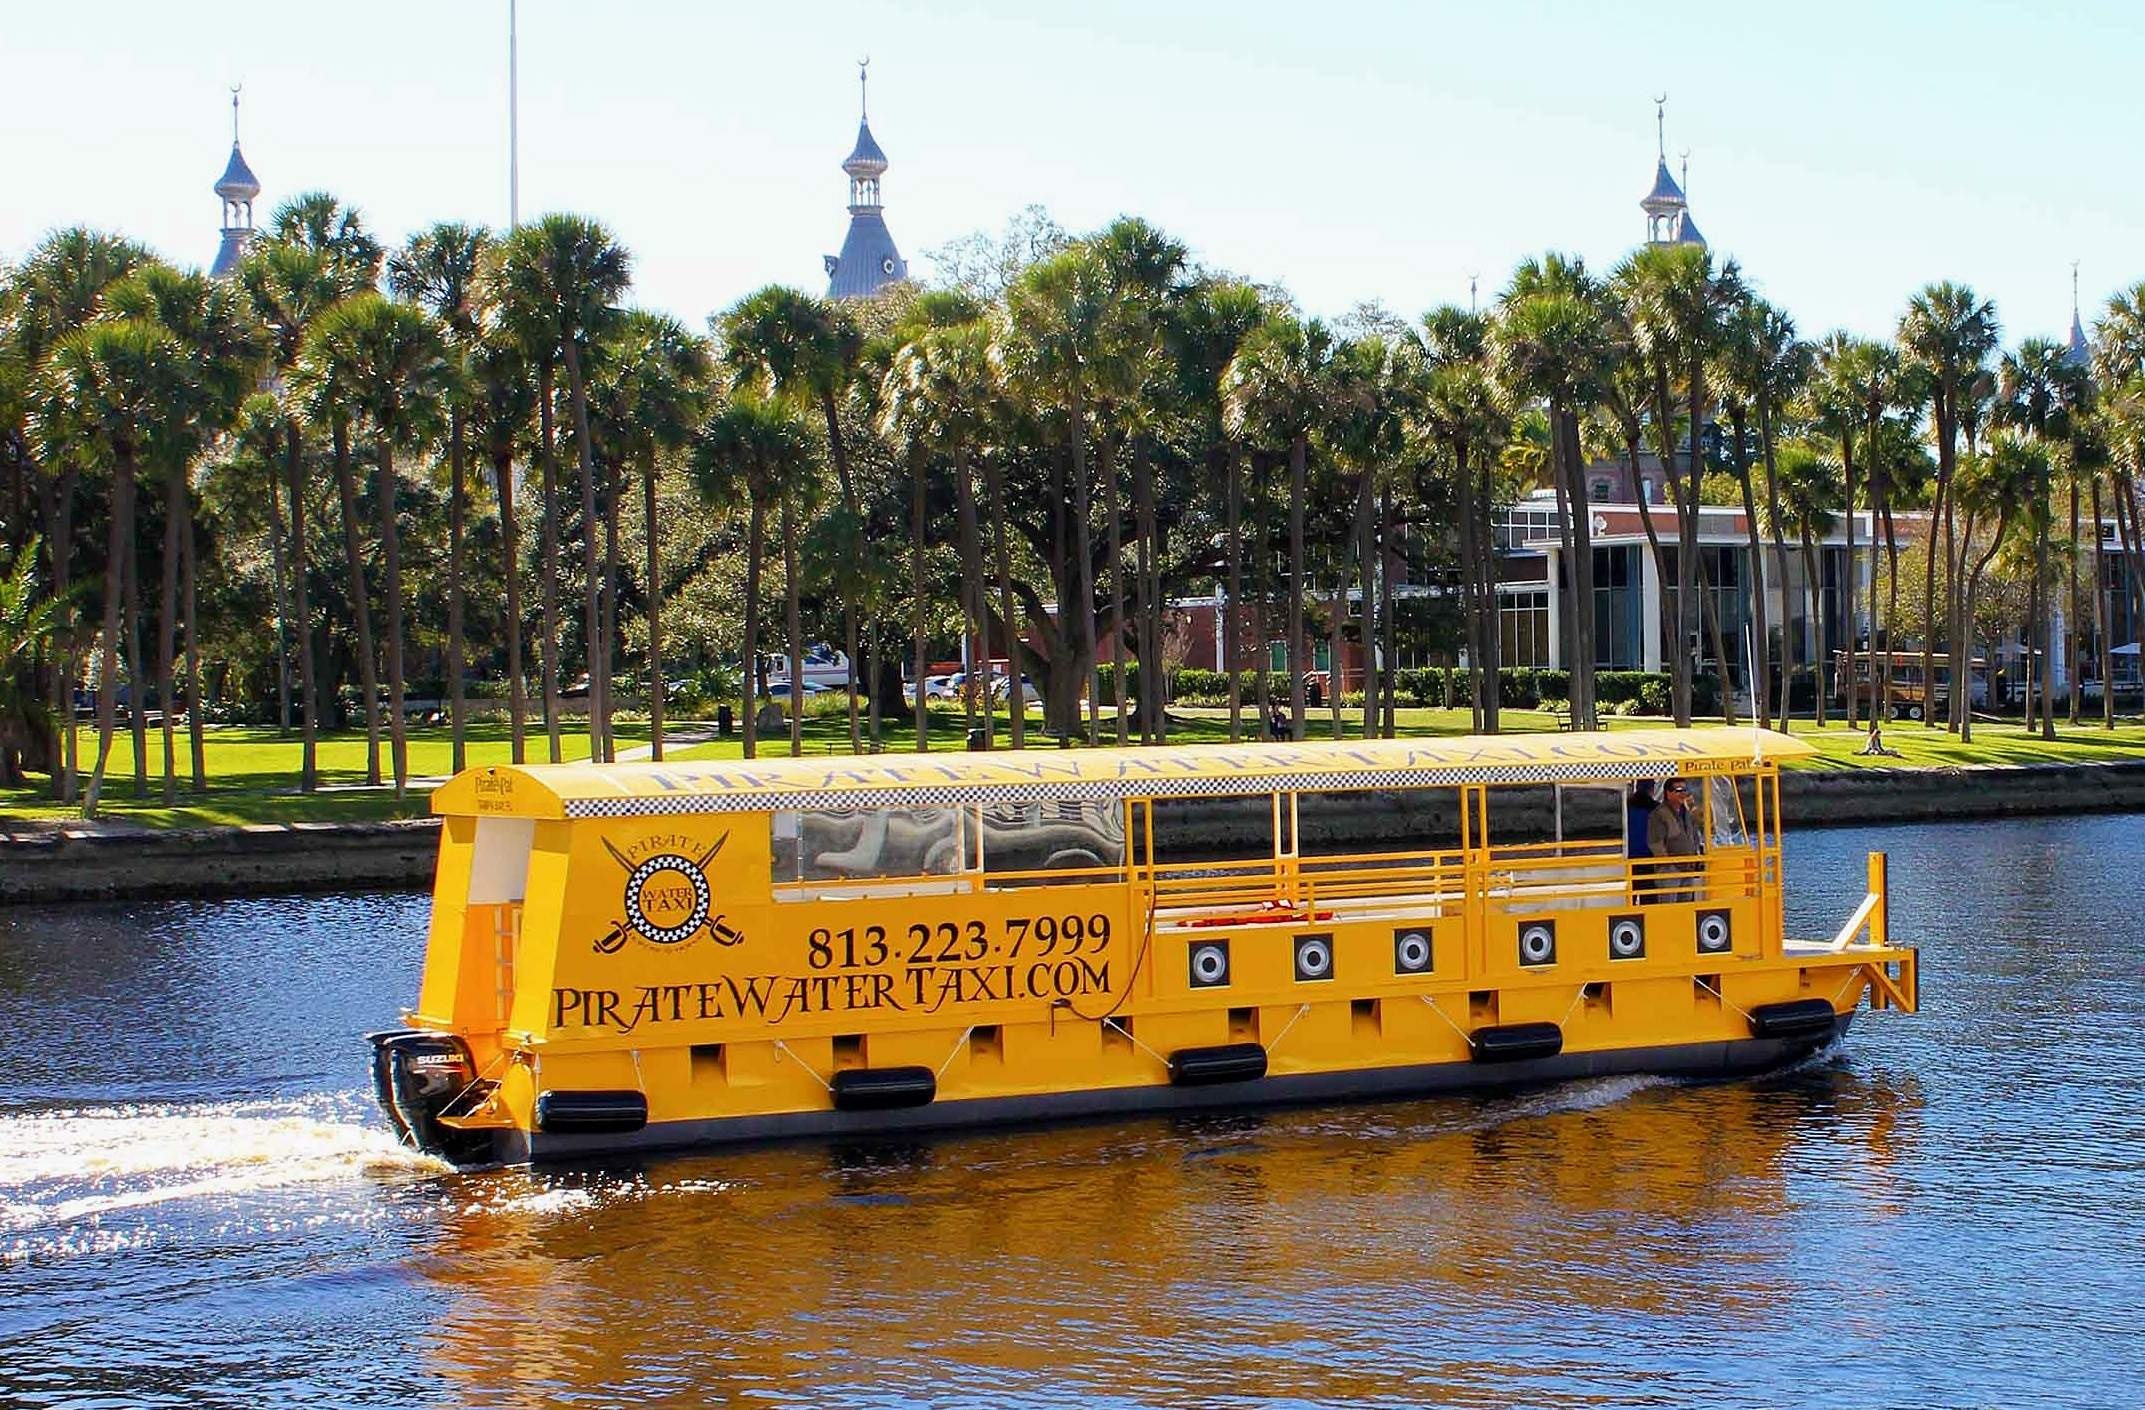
(868, 261)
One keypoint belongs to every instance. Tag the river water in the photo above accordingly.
(199, 1207)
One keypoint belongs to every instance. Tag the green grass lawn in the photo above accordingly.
(253, 773)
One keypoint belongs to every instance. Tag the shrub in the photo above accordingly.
(1654, 696)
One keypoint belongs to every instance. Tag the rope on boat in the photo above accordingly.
(1301, 1010)
(1464, 1034)
(1725, 999)
(783, 1048)
(1113, 1023)
(958, 1044)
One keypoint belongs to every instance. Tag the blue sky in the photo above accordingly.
(1844, 152)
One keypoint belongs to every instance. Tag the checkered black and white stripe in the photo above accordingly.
(940, 795)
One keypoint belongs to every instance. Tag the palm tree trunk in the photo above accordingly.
(656, 687)
(2077, 610)
(360, 599)
(2044, 610)
(1113, 541)
(168, 630)
(1813, 593)
(391, 548)
(548, 637)
(1084, 563)
(1016, 693)
(591, 582)
(1367, 586)
(1961, 687)
(755, 542)
(1146, 610)
(973, 606)
(1388, 549)
(189, 617)
(457, 512)
(838, 451)
(1761, 703)
(917, 528)
(137, 676)
(301, 614)
(65, 774)
(1336, 619)
(517, 684)
(1475, 622)
(1847, 467)
(119, 539)
(1233, 552)
(2103, 614)
(1298, 648)
(611, 578)
(279, 584)
(1891, 611)
(792, 592)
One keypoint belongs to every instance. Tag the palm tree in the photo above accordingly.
(1948, 333)
(1761, 368)
(806, 349)
(657, 380)
(561, 278)
(28, 620)
(1060, 315)
(752, 449)
(392, 366)
(1276, 391)
(2038, 390)
(2001, 486)
(106, 394)
(56, 290)
(502, 403)
(226, 348)
(438, 270)
(291, 284)
(1679, 308)
(1461, 412)
(1809, 491)
(1552, 344)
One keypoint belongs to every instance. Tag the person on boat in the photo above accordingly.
(1672, 831)
(1637, 809)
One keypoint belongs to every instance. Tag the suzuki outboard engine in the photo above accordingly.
(419, 1076)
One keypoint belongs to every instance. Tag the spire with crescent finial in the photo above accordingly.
(237, 187)
(868, 261)
(2076, 352)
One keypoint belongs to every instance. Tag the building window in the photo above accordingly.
(1523, 628)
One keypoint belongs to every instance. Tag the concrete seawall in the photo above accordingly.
(58, 866)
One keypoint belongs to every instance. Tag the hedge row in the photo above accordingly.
(1519, 688)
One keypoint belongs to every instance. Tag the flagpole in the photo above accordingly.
(513, 114)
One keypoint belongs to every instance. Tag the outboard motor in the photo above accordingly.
(418, 1076)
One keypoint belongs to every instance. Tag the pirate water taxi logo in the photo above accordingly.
(668, 899)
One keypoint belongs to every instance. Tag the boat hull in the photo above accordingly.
(1716, 1059)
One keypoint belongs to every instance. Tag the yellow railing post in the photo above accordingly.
(1879, 919)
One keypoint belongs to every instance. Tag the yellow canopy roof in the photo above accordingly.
(1044, 775)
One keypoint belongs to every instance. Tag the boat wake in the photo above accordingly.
(73, 1169)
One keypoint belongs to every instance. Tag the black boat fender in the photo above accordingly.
(1227, 1062)
(883, 1088)
(1796, 1019)
(1515, 1042)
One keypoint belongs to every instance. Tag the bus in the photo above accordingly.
(637, 956)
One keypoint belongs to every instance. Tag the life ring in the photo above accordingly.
(1314, 957)
(1210, 965)
(1627, 938)
(1411, 952)
(1538, 943)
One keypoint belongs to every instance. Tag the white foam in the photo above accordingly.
(65, 1166)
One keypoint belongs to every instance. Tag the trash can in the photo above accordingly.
(975, 739)
(725, 721)
(1314, 694)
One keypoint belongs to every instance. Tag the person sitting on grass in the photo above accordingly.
(1874, 745)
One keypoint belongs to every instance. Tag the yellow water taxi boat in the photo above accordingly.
(639, 956)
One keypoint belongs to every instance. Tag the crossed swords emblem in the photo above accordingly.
(637, 921)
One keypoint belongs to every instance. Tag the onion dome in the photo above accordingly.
(237, 182)
(1666, 197)
(866, 160)
(1687, 232)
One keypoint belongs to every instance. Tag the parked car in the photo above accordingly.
(780, 689)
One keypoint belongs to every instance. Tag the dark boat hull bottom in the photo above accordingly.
(1737, 1058)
